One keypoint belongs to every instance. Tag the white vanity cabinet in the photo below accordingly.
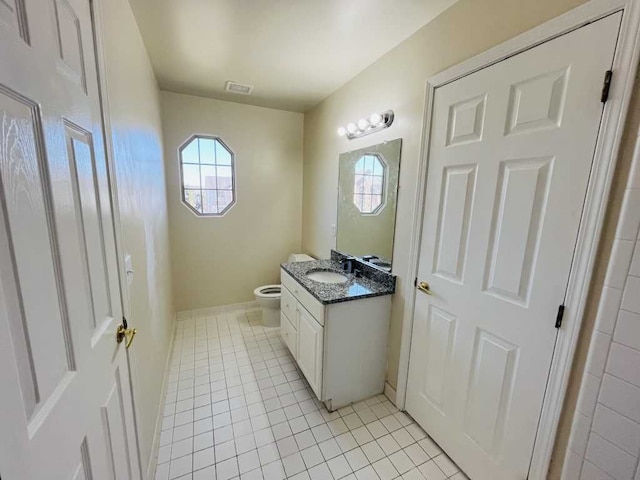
(341, 347)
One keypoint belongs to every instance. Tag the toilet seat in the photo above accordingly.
(268, 296)
(268, 291)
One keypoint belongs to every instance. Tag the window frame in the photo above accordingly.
(383, 192)
(234, 193)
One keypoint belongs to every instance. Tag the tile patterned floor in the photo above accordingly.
(237, 407)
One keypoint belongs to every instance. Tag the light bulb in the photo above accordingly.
(342, 131)
(363, 124)
(352, 128)
(375, 119)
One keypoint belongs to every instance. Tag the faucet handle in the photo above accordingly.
(347, 264)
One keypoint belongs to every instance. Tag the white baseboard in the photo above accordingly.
(153, 458)
(186, 314)
(390, 392)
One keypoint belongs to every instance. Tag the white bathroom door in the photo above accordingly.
(510, 153)
(65, 402)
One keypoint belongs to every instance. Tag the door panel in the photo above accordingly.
(87, 195)
(441, 327)
(458, 187)
(520, 206)
(12, 12)
(67, 407)
(537, 103)
(70, 43)
(510, 155)
(490, 390)
(115, 431)
(83, 472)
(39, 320)
(466, 121)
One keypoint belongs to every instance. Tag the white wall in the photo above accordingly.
(133, 99)
(221, 260)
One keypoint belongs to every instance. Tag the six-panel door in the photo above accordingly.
(66, 404)
(510, 154)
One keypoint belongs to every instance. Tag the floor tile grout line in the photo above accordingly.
(266, 344)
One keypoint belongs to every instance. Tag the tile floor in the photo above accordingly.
(237, 407)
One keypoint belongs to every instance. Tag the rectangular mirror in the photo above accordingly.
(367, 198)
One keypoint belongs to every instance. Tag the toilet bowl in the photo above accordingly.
(268, 296)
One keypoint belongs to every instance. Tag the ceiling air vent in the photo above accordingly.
(235, 87)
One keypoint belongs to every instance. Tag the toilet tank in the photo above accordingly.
(299, 257)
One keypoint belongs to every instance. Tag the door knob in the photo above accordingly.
(124, 331)
(424, 287)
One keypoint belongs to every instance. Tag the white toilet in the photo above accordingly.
(268, 296)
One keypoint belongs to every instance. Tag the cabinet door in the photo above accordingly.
(310, 342)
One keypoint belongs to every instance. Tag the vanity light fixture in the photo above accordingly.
(375, 123)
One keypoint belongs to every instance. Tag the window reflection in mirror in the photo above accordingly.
(367, 195)
(369, 179)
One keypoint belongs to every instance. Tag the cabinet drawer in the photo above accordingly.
(288, 303)
(289, 335)
(315, 308)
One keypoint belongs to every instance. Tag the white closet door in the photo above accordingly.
(510, 154)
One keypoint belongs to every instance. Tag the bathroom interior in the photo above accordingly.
(335, 240)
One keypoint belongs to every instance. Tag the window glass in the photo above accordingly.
(208, 183)
(368, 189)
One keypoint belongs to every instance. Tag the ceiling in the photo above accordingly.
(294, 52)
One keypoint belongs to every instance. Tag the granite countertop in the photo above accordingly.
(353, 289)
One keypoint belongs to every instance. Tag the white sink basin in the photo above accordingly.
(327, 277)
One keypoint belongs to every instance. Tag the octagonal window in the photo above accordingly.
(369, 180)
(207, 171)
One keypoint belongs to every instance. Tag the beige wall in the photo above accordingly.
(221, 260)
(397, 82)
(133, 99)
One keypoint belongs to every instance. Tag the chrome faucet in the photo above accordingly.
(347, 264)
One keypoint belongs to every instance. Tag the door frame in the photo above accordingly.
(604, 161)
